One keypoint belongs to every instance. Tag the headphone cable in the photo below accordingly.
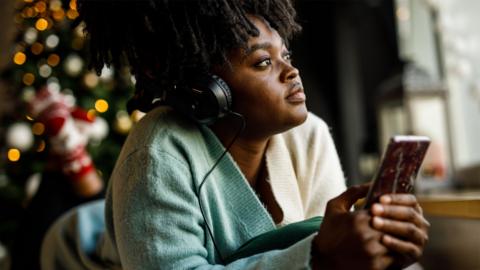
(210, 171)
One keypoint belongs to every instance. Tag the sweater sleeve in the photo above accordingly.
(158, 224)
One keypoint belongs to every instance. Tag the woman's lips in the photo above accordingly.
(296, 94)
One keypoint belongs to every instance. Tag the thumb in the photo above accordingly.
(345, 201)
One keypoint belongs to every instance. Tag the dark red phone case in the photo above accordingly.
(399, 167)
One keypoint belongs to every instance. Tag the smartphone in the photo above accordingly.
(399, 167)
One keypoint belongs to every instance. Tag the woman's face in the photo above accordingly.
(266, 88)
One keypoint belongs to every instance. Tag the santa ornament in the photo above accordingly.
(68, 129)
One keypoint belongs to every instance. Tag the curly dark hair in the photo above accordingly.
(174, 38)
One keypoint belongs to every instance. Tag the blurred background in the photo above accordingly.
(371, 69)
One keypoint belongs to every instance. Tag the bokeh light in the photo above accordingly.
(101, 105)
(13, 154)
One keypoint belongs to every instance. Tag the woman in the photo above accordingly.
(176, 201)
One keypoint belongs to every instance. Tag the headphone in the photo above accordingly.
(205, 99)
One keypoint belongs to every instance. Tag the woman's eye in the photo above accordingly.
(288, 56)
(264, 63)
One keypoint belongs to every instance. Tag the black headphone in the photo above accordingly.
(205, 99)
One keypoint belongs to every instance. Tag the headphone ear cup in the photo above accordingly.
(211, 99)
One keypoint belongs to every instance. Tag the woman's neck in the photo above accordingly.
(247, 152)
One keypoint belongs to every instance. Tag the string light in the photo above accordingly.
(45, 71)
(101, 105)
(30, 35)
(52, 41)
(29, 12)
(53, 59)
(40, 7)
(41, 24)
(29, 118)
(41, 146)
(19, 58)
(37, 48)
(72, 14)
(55, 5)
(58, 15)
(28, 78)
(73, 4)
(91, 114)
(13, 154)
(90, 80)
(38, 128)
(122, 123)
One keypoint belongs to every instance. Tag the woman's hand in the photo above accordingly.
(400, 218)
(346, 239)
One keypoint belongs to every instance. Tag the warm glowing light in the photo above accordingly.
(53, 59)
(37, 48)
(29, 118)
(72, 14)
(29, 12)
(58, 15)
(41, 146)
(13, 154)
(38, 128)
(28, 78)
(40, 6)
(137, 115)
(101, 105)
(28, 1)
(91, 114)
(73, 4)
(90, 80)
(41, 24)
(55, 5)
(19, 58)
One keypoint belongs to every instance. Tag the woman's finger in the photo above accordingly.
(400, 212)
(401, 229)
(399, 199)
(407, 249)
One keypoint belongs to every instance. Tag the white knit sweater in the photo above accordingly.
(304, 170)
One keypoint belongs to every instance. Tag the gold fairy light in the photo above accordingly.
(58, 15)
(53, 59)
(38, 128)
(28, 78)
(41, 146)
(29, 12)
(37, 48)
(29, 118)
(13, 154)
(91, 114)
(55, 5)
(73, 4)
(41, 24)
(19, 58)
(72, 14)
(101, 105)
(40, 6)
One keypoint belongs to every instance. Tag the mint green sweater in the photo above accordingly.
(152, 214)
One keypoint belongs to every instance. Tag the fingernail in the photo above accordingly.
(378, 222)
(386, 199)
(387, 239)
(378, 209)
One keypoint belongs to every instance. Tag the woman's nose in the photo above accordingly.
(289, 72)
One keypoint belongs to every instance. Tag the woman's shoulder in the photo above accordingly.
(161, 129)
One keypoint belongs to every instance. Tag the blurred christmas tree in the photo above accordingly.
(49, 51)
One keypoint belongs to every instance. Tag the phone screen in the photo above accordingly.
(399, 167)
